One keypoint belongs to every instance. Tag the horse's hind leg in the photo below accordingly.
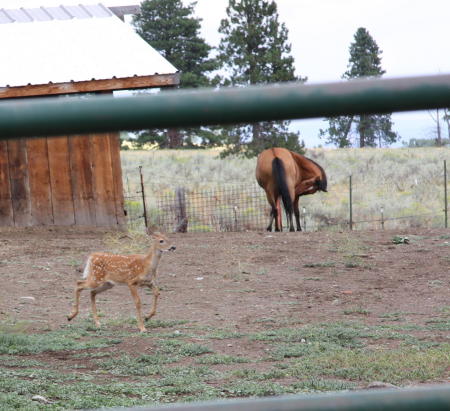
(297, 214)
(291, 222)
(278, 216)
(273, 212)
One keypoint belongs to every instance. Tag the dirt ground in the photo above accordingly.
(236, 280)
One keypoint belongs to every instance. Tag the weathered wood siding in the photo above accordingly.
(6, 212)
(39, 180)
(61, 181)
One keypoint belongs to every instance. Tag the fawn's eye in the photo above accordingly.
(161, 241)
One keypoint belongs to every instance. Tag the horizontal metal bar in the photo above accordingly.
(55, 116)
(435, 398)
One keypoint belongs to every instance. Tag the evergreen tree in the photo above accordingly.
(371, 130)
(172, 29)
(254, 49)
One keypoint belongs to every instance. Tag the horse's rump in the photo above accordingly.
(281, 186)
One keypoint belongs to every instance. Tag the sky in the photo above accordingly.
(414, 36)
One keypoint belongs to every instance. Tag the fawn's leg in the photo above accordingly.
(156, 293)
(94, 292)
(137, 302)
(80, 286)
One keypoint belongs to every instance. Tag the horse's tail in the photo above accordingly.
(279, 174)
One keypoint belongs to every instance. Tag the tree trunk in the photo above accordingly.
(362, 131)
(175, 138)
(256, 132)
(447, 120)
(438, 129)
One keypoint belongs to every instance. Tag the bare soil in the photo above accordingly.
(237, 279)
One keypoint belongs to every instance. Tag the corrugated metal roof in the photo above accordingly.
(72, 43)
(28, 15)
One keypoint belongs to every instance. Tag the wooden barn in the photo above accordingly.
(58, 51)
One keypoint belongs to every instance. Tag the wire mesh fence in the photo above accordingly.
(229, 208)
(349, 204)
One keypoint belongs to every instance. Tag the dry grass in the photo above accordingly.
(404, 182)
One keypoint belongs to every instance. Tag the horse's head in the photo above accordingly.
(321, 183)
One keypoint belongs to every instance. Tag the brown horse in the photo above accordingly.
(283, 173)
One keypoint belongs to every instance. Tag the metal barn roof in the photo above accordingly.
(62, 44)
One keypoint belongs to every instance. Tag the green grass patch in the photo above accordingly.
(393, 366)
(182, 349)
(52, 341)
(214, 359)
(292, 359)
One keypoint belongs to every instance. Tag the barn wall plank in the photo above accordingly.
(114, 142)
(60, 181)
(105, 210)
(82, 184)
(18, 173)
(6, 212)
(39, 180)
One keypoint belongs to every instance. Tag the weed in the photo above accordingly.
(183, 349)
(316, 384)
(320, 265)
(141, 365)
(253, 389)
(221, 359)
(224, 334)
(356, 310)
(395, 316)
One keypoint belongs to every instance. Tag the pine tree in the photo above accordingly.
(370, 130)
(254, 49)
(172, 29)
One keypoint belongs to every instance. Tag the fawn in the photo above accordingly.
(103, 271)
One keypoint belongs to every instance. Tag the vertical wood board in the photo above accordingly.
(105, 209)
(81, 175)
(60, 181)
(18, 172)
(6, 212)
(117, 178)
(39, 180)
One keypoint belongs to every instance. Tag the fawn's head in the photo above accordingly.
(160, 241)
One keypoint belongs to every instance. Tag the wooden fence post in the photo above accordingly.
(143, 197)
(182, 221)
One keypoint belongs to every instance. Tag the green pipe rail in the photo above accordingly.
(74, 115)
(435, 398)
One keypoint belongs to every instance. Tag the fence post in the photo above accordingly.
(445, 195)
(182, 221)
(351, 202)
(143, 197)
